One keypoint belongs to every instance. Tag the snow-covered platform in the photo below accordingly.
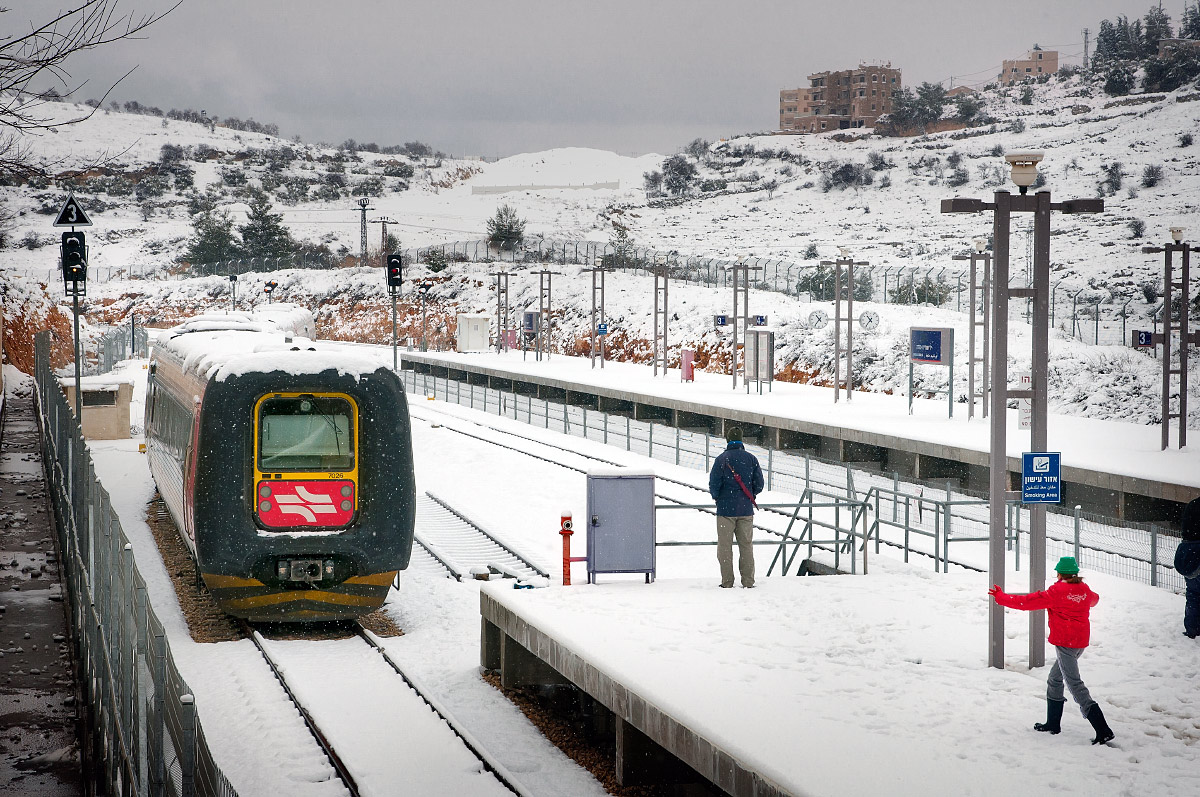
(855, 685)
(1110, 468)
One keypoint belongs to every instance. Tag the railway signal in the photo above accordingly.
(269, 289)
(74, 260)
(395, 272)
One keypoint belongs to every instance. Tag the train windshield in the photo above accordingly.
(306, 433)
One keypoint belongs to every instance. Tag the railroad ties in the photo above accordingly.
(451, 544)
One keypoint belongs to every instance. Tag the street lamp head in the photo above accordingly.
(980, 245)
(1024, 168)
(1176, 234)
(843, 251)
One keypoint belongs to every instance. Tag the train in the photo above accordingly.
(285, 464)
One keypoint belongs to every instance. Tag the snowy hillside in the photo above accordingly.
(889, 218)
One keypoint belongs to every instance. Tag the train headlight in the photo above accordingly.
(346, 490)
(265, 490)
(346, 506)
(264, 506)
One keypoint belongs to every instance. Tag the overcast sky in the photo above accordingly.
(492, 78)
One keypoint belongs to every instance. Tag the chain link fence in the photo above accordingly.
(930, 519)
(144, 736)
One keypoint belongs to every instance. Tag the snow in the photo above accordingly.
(221, 352)
(805, 678)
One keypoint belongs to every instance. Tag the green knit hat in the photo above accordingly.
(1067, 566)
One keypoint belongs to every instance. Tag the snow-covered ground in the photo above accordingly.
(840, 685)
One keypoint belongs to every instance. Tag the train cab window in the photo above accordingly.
(305, 433)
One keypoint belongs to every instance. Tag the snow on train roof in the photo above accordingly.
(219, 352)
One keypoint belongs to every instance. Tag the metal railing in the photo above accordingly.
(144, 735)
(918, 518)
(118, 344)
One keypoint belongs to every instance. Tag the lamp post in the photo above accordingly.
(424, 291)
(1167, 336)
(1024, 172)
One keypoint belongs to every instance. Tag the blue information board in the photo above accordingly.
(930, 345)
(1041, 477)
(602, 329)
(760, 320)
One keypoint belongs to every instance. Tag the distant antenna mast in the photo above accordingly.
(363, 205)
(1085, 50)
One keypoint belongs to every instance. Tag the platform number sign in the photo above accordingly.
(72, 214)
(760, 320)
(1143, 338)
(1041, 477)
(720, 320)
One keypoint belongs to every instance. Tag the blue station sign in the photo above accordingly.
(1041, 477)
(933, 345)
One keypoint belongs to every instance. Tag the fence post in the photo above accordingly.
(187, 753)
(1078, 522)
(650, 444)
(707, 438)
(678, 434)
(770, 466)
(627, 443)
(1153, 555)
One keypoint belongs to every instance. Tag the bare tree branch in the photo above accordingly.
(41, 54)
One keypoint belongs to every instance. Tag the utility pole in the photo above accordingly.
(383, 247)
(1086, 62)
(364, 206)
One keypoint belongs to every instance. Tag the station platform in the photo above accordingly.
(1109, 468)
(835, 685)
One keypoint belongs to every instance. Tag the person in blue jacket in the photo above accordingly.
(734, 481)
(1187, 564)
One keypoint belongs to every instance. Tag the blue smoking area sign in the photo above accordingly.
(602, 329)
(1041, 478)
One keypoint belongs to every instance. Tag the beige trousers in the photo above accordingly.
(727, 529)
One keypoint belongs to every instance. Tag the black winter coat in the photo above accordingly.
(731, 501)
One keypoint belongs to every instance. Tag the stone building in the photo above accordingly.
(846, 99)
(1036, 62)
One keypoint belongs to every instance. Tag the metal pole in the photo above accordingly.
(395, 355)
(998, 457)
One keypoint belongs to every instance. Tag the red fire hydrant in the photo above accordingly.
(565, 529)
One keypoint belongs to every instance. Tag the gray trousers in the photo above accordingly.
(1066, 668)
(741, 528)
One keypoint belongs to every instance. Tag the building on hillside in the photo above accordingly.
(959, 91)
(846, 99)
(1168, 46)
(1036, 62)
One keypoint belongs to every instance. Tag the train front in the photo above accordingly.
(304, 489)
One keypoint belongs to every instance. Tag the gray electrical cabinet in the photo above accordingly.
(620, 512)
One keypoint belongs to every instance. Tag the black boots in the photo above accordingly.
(1054, 710)
(1103, 732)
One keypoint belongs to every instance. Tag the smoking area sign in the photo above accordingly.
(1041, 478)
(602, 329)
(934, 346)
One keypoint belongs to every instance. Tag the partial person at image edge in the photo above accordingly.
(1187, 564)
(733, 482)
(1067, 602)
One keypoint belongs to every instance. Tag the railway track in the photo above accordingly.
(381, 714)
(456, 545)
(526, 440)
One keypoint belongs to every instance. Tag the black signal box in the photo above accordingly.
(74, 257)
(395, 271)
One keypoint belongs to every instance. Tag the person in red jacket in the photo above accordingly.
(1067, 602)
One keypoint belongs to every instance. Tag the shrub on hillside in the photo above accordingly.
(877, 162)
(1026, 95)
(1118, 81)
(398, 169)
(1137, 228)
(958, 176)
(811, 252)
(506, 230)
(1152, 176)
(844, 175)
(1185, 140)
(1180, 67)
(435, 259)
(678, 174)
(1111, 176)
